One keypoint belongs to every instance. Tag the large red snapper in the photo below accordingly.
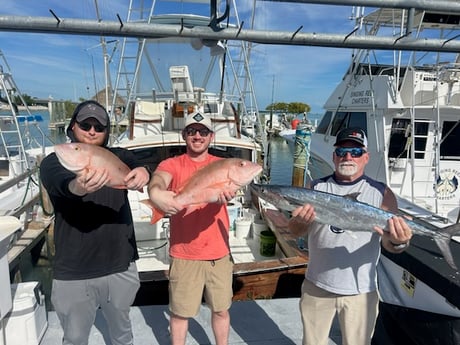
(79, 157)
(207, 183)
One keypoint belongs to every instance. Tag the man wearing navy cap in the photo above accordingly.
(341, 278)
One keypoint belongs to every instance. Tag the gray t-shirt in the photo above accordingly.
(344, 261)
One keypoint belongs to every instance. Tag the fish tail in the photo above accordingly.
(156, 213)
(451, 230)
(443, 243)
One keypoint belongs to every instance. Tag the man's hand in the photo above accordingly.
(225, 197)
(397, 238)
(137, 178)
(301, 218)
(165, 201)
(89, 181)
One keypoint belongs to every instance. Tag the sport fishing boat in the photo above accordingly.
(165, 79)
(22, 145)
(408, 103)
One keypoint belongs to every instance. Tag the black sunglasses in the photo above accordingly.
(353, 151)
(86, 126)
(204, 132)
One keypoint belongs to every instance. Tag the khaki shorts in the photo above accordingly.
(190, 280)
(357, 315)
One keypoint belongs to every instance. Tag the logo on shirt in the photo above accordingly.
(336, 230)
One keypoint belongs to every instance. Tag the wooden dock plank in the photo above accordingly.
(28, 239)
(278, 223)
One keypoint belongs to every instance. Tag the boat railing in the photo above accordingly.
(25, 209)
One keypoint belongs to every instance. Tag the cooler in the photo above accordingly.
(8, 225)
(27, 322)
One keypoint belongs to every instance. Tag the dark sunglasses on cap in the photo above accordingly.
(353, 151)
(190, 131)
(86, 126)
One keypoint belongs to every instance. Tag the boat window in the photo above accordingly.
(338, 123)
(358, 119)
(210, 108)
(450, 138)
(152, 156)
(349, 119)
(324, 123)
(399, 143)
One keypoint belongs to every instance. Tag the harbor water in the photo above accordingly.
(281, 161)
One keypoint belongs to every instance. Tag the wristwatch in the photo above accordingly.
(399, 246)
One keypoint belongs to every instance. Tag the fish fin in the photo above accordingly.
(191, 208)
(141, 190)
(443, 243)
(121, 186)
(352, 196)
(156, 213)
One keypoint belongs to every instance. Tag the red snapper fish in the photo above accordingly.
(79, 157)
(207, 183)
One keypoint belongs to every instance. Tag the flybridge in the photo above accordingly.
(428, 14)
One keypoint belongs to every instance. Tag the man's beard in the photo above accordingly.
(347, 169)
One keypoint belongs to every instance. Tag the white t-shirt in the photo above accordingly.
(344, 261)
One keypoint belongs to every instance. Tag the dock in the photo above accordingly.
(29, 242)
(259, 322)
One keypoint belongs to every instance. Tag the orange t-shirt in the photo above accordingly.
(203, 233)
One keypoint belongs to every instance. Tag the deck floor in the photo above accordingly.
(260, 322)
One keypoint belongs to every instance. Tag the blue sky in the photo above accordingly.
(61, 66)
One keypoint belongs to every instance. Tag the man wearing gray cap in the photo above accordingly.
(94, 265)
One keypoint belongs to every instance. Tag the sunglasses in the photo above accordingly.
(192, 131)
(86, 126)
(353, 151)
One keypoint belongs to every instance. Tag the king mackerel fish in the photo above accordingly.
(345, 212)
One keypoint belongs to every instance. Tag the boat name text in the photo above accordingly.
(361, 97)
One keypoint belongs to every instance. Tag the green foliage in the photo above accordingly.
(298, 107)
(27, 99)
(69, 108)
(278, 107)
(293, 108)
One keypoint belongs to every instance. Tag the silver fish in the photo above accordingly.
(345, 212)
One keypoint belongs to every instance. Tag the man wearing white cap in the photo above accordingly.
(199, 244)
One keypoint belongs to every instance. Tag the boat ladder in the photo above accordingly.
(425, 160)
(130, 59)
(10, 131)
